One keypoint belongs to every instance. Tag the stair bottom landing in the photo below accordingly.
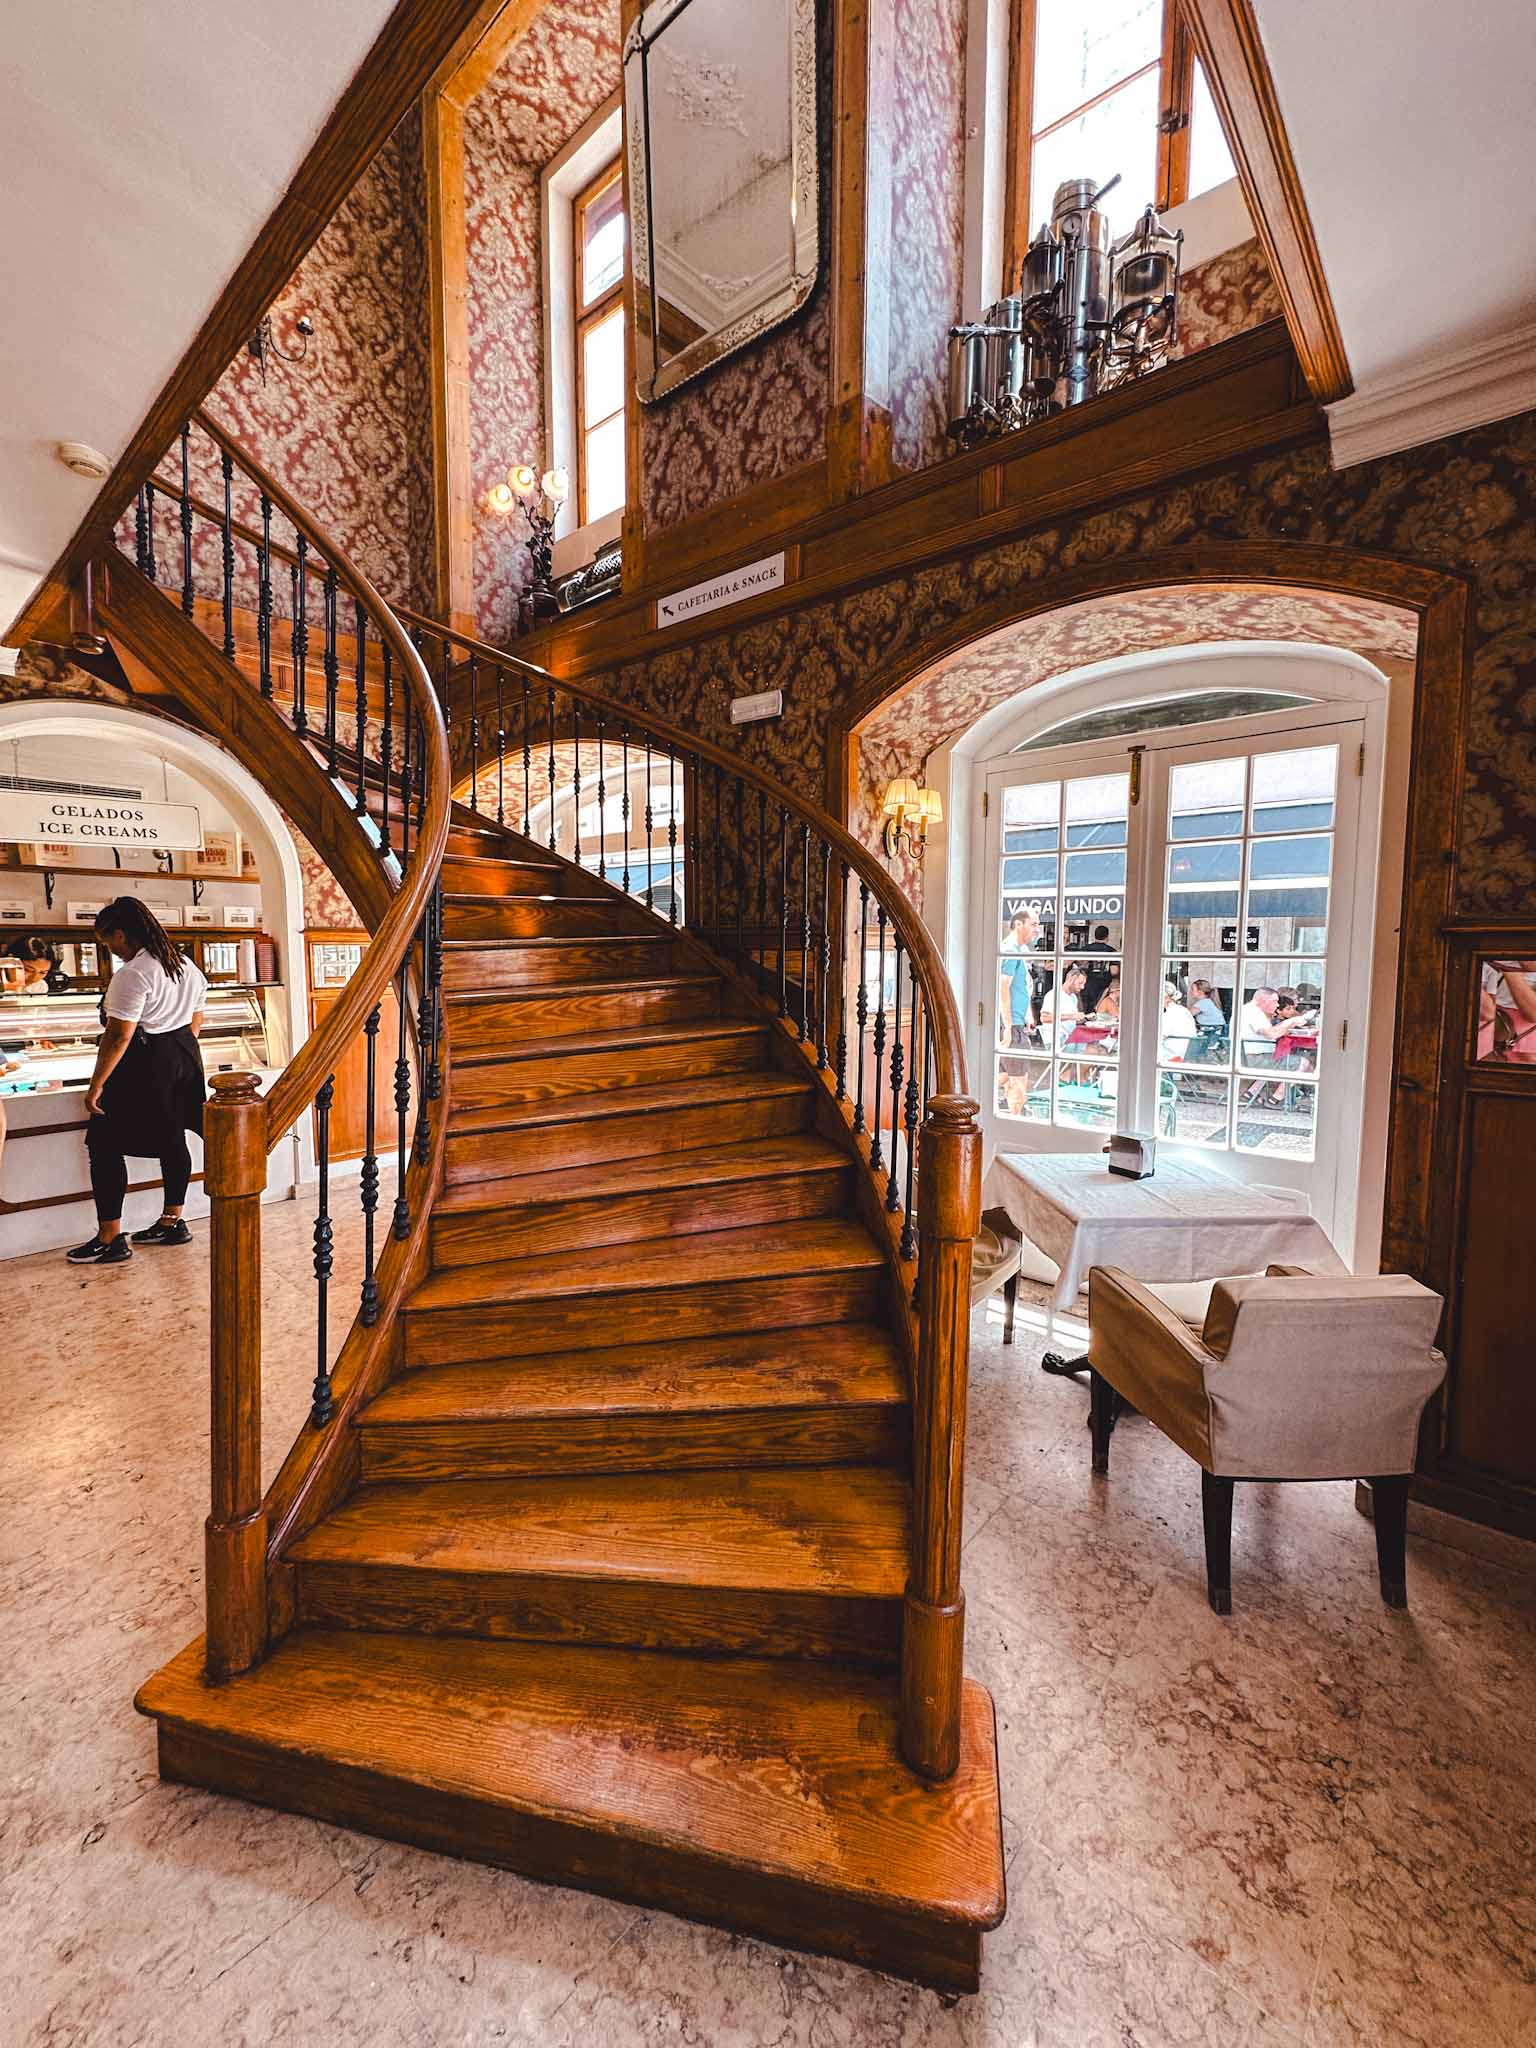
(758, 1797)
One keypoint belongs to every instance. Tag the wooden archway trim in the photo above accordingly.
(1442, 602)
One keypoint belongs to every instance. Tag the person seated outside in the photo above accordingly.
(1017, 1016)
(1210, 1020)
(1108, 1005)
(1257, 1029)
(1061, 1012)
(1179, 1029)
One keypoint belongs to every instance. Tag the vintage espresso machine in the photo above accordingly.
(1089, 315)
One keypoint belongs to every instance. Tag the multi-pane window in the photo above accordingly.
(599, 242)
(1111, 88)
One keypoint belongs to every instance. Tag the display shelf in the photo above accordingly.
(132, 874)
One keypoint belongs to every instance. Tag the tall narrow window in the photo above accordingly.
(1110, 89)
(599, 243)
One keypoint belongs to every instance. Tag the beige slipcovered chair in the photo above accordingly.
(1292, 1375)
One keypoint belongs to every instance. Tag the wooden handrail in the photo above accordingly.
(322, 1051)
(948, 1039)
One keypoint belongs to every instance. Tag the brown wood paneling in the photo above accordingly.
(1491, 1424)
(442, 141)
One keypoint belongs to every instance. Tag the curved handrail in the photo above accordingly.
(949, 1041)
(322, 1051)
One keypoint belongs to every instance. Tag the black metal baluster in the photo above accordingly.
(387, 753)
(823, 1055)
(576, 782)
(783, 911)
(186, 520)
(151, 567)
(402, 1217)
(861, 1005)
(424, 1032)
(914, 1110)
(602, 800)
(805, 932)
(227, 465)
(624, 805)
(332, 668)
(527, 761)
(474, 735)
(435, 1071)
(360, 681)
(322, 1406)
(368, 1178)
(264, 598)
(421, 772)
(672, 912)
(650, 820)
(141, 531)
(300, 574)
(840, 1060)
(879, 1040)
(444, 692)
(405, 767)
(501, 746)
(898, 1062)
(917, 1277)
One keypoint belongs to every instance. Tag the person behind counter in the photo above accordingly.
(30, 967)
(147, 1089)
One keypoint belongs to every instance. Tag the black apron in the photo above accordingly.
(155, 1091)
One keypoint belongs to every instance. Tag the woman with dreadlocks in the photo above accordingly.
(147, 1089)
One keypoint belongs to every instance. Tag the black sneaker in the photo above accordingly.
(164, 1233)
(95, 1253)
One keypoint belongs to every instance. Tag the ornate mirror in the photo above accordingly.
(720, 114)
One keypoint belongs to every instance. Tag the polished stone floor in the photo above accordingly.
(1313, 1823)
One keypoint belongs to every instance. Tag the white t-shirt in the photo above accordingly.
(1255, 1032)
(141, 992)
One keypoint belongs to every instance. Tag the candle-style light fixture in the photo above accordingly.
(261, 344)
(909, 809)
(541, 498)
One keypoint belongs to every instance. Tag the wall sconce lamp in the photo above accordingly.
(909, 809)
(262, 343)
(541, 498)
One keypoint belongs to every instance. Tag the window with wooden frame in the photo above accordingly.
(598, 240)
(1112, 87)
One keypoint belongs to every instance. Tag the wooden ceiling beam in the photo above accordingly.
(480, 49)
(1227, 39)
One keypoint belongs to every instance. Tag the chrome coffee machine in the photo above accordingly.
(1090, 314)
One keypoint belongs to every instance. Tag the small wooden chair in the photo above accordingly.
(995, 1263)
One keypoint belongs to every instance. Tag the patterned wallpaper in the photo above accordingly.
(1467, 504)
(1226, 296)
(927, 222)
(552, 79)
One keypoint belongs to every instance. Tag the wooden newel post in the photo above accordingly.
(234, 1174)
(933, 1625)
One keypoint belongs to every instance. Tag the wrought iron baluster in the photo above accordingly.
(914, 1107)
(264, 597)
(360, 683)
(527, 761)
(602, 799)
(402, 1216)
(474, 735)
(840, 1058)
(421, 772)
(879, 1039)
(576, 781)
(151, 567)
(332, 669)
(624, 806)
(672, 911)
(387, 752)
(227, 552)
(650, 820)
(435, 1071)
(300, 631)
(141, 531)
(501, 746)
(861, 1005)
(424, 1034)
(551, 696)
(322, 1405)
(898, 1061)
(368, 1179)
(444, 691)
(805, 932)
(917, 1277)
(405, 769)
(823, 1055)
(783, 911)
(186, 520)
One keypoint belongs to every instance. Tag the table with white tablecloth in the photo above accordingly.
(1187, 1221)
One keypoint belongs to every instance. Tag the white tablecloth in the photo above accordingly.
(1187, 1222)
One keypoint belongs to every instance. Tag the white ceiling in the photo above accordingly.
(1411, 124)
(142, 148)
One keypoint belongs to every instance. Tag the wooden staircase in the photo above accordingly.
(616, 1598)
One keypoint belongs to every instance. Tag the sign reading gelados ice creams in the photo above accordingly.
(65, 817)
(731, 588)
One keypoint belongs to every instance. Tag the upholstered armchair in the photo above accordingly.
(1291, 1376)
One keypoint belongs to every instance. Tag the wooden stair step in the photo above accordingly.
(785, 1562)
(756, 1796)
(469, 873)
(540, 1069)
(487, 915)
(836, 1397)
(610, 1201)
(503, 1018)
(553, 962)
(623, 1123)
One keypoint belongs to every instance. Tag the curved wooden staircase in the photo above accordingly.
(601, 1557)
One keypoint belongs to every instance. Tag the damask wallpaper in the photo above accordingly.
(927, 222)
(552, 79)
(1466, 504)
(1227, 295)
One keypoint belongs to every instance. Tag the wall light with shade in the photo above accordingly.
(909, 809)
(541, 498)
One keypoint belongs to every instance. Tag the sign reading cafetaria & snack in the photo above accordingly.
(66, 818)
(732, 588)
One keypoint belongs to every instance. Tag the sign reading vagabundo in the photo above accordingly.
(64, 816)
(731, 588)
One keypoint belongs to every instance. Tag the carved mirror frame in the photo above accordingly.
(656, 376)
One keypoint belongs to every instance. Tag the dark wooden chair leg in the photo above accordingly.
(1389, 1503)
(1010, 1303)
(1216, 1509)
(1101, 1417)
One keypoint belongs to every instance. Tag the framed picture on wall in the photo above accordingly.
(1504, 1012)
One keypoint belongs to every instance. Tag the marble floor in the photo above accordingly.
(1310, 1826)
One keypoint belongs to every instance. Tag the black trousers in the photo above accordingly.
(109, 1169)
